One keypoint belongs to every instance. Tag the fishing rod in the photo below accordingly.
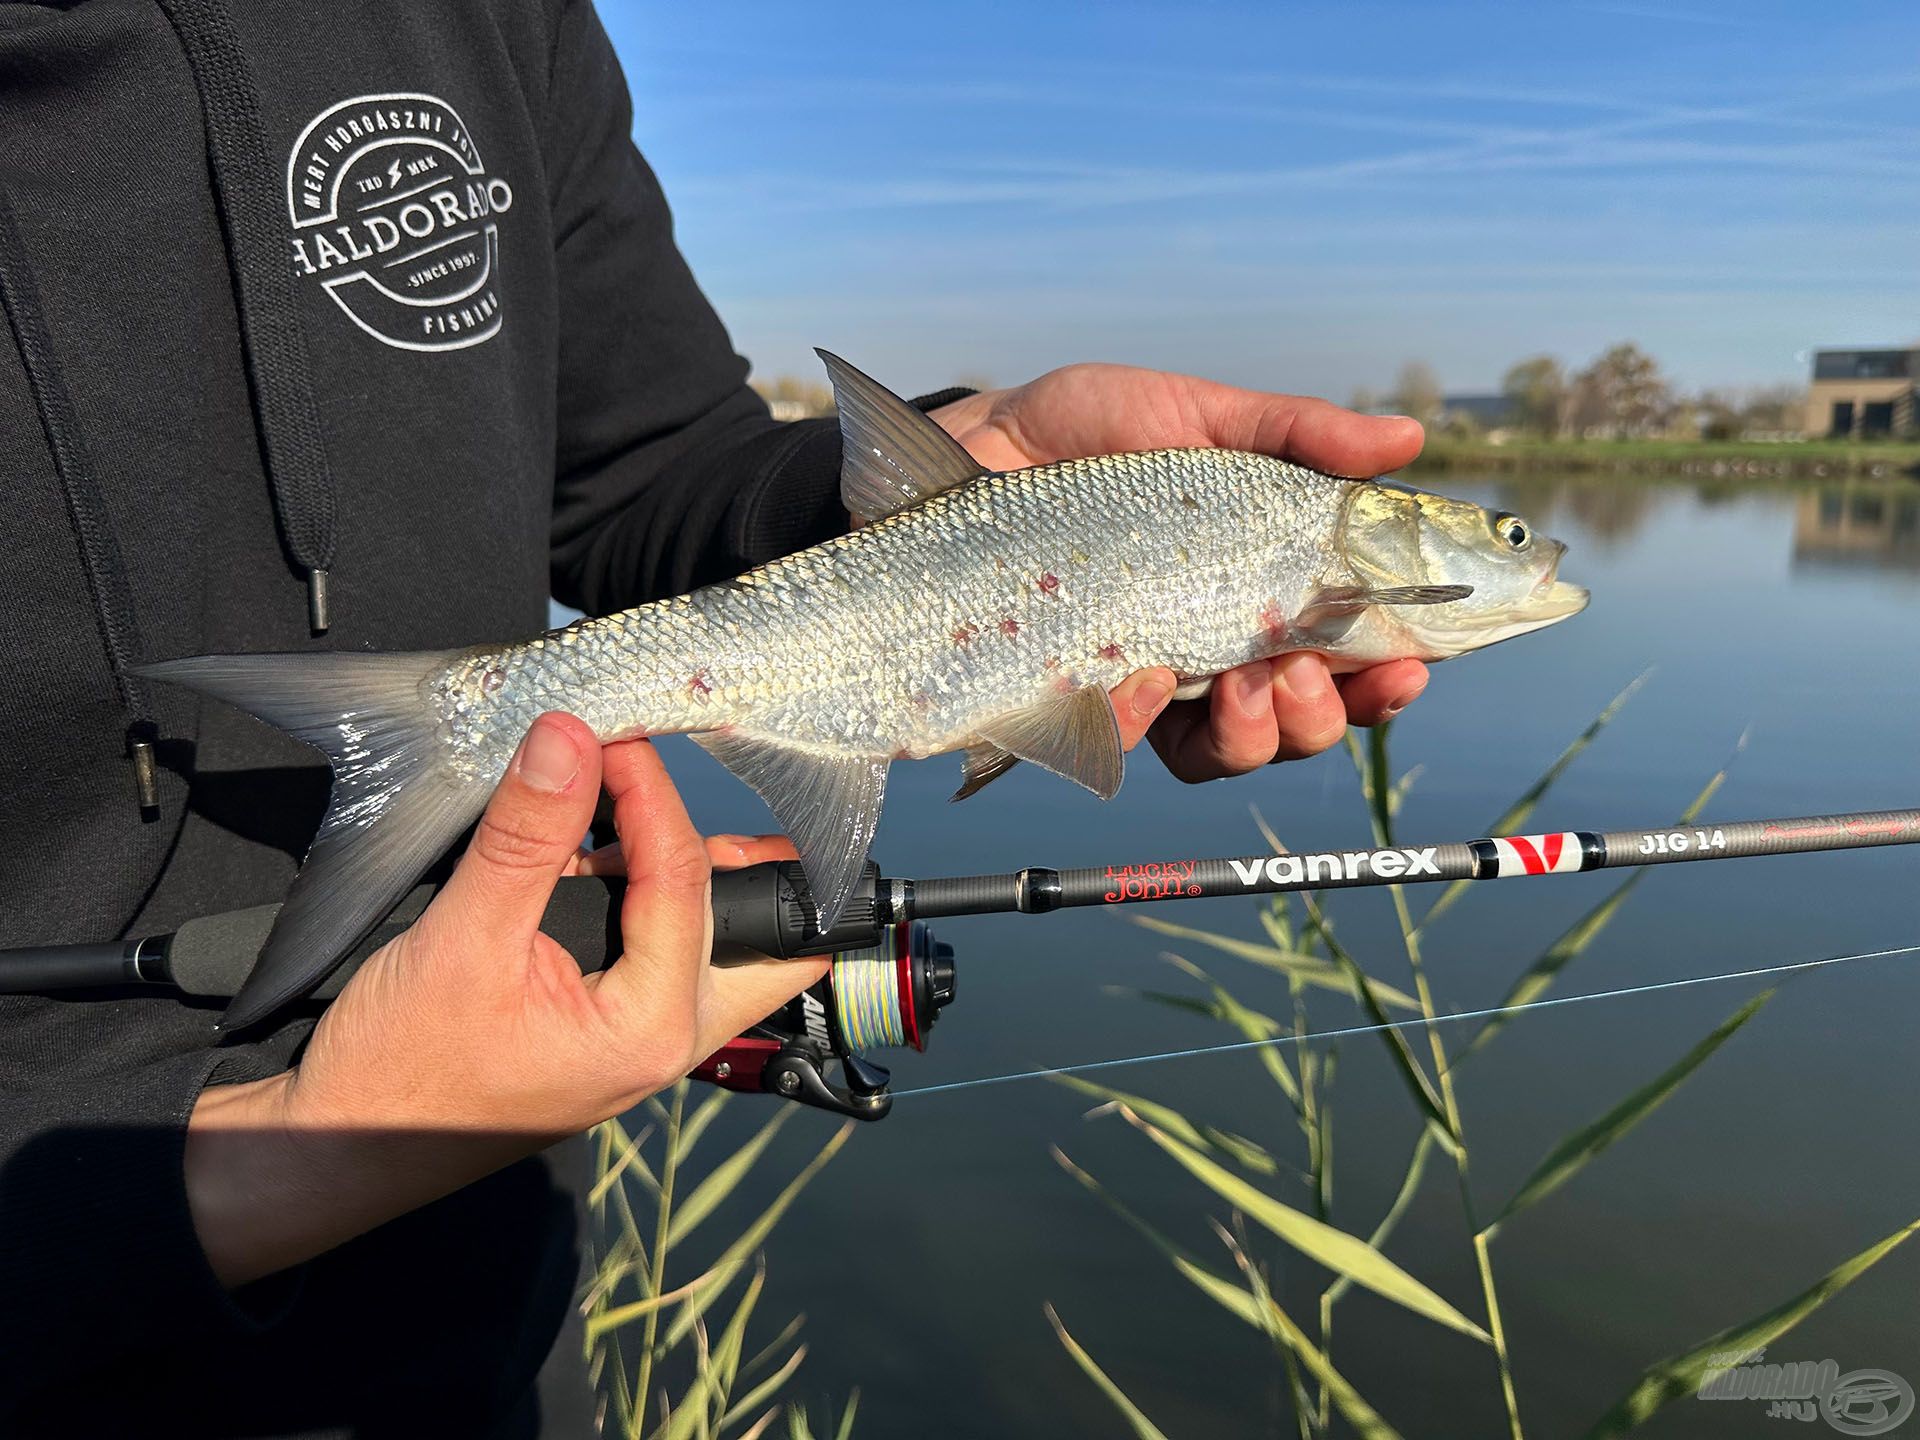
(890, 978)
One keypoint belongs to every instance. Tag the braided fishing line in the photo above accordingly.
(1336, 1034)
(866, 994)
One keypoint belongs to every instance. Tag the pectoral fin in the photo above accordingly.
(1333, 608)
(1073, 735)
(893, 456)
(980, 767)
(828, 802)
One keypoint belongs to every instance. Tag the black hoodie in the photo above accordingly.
(344, 326)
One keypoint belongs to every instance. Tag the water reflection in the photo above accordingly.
(1857, 527)
(1611, 512)
(1864, 525)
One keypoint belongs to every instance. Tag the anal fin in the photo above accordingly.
(827, 801)
(1073, 735)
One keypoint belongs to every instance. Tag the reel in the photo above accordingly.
(887, 994)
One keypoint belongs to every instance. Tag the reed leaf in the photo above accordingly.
(1681, 1375)
(845, 1428)
(697, 1123)
(1364, 1419)
(1540, 976)
(1239, 1149)
(1572, 1154)
(1210, 1283)
(753, 1237)
(1409, 1186)
(1515, 815)
(1252, 1025)
(716, 1373)
(612, 1319)
(1294, 964)
(1421, 1088)
(738, 1410)
(1136, 1419)
(726, 1177)
(1333, 1248)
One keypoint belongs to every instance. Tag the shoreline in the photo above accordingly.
(1692, 459)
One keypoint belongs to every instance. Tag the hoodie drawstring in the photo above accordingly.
(86, 507)
(246, 187)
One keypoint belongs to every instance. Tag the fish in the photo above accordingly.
(967, 610)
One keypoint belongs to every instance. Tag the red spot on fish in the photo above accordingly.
(1052, 662)
(1049, 583)
(1009, 626)
(701, 685)
(1275, 624)
(1112, 652)
(921, 699)
(965, 633)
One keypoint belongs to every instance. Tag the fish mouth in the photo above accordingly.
(1555, 599)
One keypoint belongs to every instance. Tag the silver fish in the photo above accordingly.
(979, 612)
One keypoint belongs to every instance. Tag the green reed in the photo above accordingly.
(1301, 946)
(679, 1380)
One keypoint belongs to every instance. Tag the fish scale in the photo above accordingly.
(902, 637)
(982, 612)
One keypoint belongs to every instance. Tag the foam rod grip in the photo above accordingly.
(212, 955)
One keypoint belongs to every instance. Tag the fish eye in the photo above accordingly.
(1513, 530)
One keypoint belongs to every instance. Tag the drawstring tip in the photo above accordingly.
(317, 616)
(146, 774)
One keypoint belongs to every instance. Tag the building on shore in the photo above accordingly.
(1862, 394)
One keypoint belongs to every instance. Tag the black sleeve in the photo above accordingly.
(670, 472)
(101, 1257)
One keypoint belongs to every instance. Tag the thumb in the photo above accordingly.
(530, 832)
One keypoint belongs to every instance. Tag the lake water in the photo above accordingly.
(924, 1254)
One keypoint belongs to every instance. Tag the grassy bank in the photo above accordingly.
(1804, 459)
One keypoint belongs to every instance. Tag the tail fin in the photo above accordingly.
(397, 802)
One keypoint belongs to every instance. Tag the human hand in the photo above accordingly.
(1280, 709)
(473, 1039)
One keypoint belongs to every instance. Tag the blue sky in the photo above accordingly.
(1295, 197)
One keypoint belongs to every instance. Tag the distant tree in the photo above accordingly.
(1774, 410)
(1536, 388)
(1417, 392)
(1719, 414)
(1364, 400)
(1621, 394)
(794, 399)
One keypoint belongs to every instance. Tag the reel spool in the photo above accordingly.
(876, 996)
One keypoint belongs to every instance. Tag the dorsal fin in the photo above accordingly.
(894, 456)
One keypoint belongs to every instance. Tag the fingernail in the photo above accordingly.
(1253, 691)
(1149, 696)
(1305, 678)
(1404, 699)
(548, 757)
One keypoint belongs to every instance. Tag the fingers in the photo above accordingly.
(1283, 709)
(734, 852)
(1139, 700)
(1313, 432)
(738, 996)
(529, 834)
(1379, 693)
(666, 918)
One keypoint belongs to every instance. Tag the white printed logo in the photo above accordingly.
(1347, 865)
(394, 212)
